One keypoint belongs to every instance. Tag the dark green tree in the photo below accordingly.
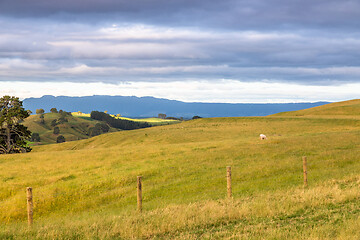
(60, 139)
(162, 115)
(54, 110)
(35, 137)
(42, 120)
(13, 135)
(103, 127)
(118, 123)
(53, 123)
(99, 128)
(94, 131)
(56, 130)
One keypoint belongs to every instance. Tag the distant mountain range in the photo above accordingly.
(151, 107)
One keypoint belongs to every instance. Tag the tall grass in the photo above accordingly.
(323, 211)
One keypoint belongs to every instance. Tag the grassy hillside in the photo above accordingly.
(74, 129)
(152, 121)
(87, 189)
(349, 109)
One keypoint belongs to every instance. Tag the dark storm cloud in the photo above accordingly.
(234, 14)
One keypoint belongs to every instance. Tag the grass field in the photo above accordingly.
(152, 121)
(87, 189)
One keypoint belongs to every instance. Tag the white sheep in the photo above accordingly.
(263, 136)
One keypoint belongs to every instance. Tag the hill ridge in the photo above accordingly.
(343, 108)
(150, 106)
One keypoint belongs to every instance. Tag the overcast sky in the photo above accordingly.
(199, 50)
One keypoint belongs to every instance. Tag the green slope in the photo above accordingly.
(347, 109)
(75, 129)
(152, 121)
(87, 189)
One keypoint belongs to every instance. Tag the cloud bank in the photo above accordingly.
(225, 91)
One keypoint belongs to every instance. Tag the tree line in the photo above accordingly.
(118, 123)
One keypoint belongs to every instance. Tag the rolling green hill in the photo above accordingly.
(74, 129)
(152, 121)
(86, 189)
(346, 109)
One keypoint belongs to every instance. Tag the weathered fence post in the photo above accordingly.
(139, 194)
(305, 171)
(228, 177)
(29, 199)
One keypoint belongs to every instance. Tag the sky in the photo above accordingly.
(233, 51)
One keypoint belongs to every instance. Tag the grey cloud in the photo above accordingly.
(234, 14)
(157, 55)
(307, 42)
(237, 49)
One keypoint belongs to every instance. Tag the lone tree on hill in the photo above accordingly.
(54, 110)
(40, 111)
(162, 115)
(13, 135)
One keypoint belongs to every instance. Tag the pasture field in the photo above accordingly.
(86, 189)
(152, 121)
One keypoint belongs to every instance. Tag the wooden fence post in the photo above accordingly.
(305, 171)
(139, 194)
(29, 199)
(228, 177)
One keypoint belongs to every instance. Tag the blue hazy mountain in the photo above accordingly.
(151, 107)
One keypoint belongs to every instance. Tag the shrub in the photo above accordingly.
(60, 139)
(42, 120)
(35, 137)
(53, 123)
(56, 130)
(62, 120)
(99, 128)
(93, 131)
(172, 118)
(103, 127)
